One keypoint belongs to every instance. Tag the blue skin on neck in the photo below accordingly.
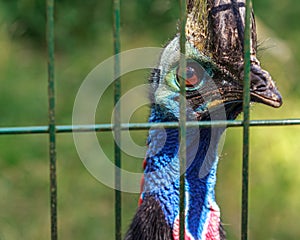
(162, 170)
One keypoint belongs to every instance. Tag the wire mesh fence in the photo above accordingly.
(53, 129)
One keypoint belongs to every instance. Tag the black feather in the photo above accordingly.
(149, 222)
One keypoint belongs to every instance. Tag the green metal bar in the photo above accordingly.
(23, 130)
(182, 121)
(117, 121)
(246, 123)
(143, 126)
(51, 116)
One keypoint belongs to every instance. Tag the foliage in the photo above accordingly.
(79, 22)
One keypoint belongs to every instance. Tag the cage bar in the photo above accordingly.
(246, 122)
(51, 118)
(117, 121)
(182, 122)
(144, 126)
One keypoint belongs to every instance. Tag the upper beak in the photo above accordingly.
(262, 87)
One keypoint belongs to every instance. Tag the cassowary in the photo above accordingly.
(214, 90)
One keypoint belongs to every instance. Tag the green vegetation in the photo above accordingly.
(84, 39)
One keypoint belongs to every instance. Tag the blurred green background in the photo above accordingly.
(83, 40)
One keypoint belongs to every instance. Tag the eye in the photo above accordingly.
(191, 77)
(193, 74)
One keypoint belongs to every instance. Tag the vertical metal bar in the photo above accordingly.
(246, 122)
(117, 122)
(51, 116)
(182, 121)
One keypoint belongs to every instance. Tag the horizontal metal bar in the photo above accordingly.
(142, 126)
(23, 130)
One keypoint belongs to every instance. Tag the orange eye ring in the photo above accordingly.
(192, 79)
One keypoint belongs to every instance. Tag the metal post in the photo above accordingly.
(117, 122)
(51, 116)
(246, 123)
(182, 121)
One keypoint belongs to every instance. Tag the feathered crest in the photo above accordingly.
(197, 24)
(216, 28)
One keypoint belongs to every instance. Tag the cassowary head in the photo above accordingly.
(215, 60)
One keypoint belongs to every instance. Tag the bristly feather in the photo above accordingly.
(149, 222)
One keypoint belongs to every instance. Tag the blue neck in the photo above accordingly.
(162, 171)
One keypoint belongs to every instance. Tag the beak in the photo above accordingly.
(262, 87)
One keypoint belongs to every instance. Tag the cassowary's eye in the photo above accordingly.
(193, 75)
